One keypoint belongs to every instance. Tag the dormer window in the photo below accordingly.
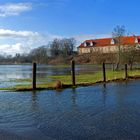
(112, 41)
(85, 44)
(136, 40)
(91, 43)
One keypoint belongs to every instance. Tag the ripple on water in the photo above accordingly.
(95, 112)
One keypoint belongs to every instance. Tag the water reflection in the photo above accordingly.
(121, 92)
(34, 96)
(104, 94)
(74, 96)
(95, 112)
(34, 101)
(13, 72)
(25, 71)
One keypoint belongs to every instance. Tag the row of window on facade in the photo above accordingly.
(113, 42)
(101, 49)
(107, 49)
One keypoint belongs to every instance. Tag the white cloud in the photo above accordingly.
(12, 49)
(12, 42)
(14, 9)
(17, 34)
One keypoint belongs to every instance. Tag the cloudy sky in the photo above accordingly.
(26, 24)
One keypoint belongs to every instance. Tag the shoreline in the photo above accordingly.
(66, 86)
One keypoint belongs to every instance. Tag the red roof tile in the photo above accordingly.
(127, 40)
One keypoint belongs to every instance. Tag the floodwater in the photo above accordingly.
(86, 113)
(10, 73)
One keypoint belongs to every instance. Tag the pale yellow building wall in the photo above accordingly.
(84, 50)
(106, 49)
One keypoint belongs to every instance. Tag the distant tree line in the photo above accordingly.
(62, 51)
(57, 51)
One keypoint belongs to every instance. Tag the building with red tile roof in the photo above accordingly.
(108, 45)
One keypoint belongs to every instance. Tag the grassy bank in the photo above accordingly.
(81, 80)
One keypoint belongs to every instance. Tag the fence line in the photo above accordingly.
(73, 73)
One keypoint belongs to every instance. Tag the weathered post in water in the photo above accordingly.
(34, 77)
(104, 73)
(73, 72)
(126, 72)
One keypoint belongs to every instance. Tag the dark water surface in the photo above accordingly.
(86, 113)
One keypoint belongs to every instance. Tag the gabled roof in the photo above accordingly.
(127, 40)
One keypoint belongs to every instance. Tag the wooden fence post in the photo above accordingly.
(104, 72)
(73, 72)
(34, 77)
(126, 72)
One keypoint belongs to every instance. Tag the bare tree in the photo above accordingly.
(55, 48)
(118, 33)
(100, 57)
(40, 55)
(131, 55)
(62, 48)
(67, 46)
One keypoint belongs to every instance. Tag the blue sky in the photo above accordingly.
(27, 24)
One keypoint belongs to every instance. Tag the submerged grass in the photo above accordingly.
(81, 79)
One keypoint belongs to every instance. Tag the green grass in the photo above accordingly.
(66, 79)
(82, 78)
(93, 78)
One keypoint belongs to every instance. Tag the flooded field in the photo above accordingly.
(95, 112)
(10, 73)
